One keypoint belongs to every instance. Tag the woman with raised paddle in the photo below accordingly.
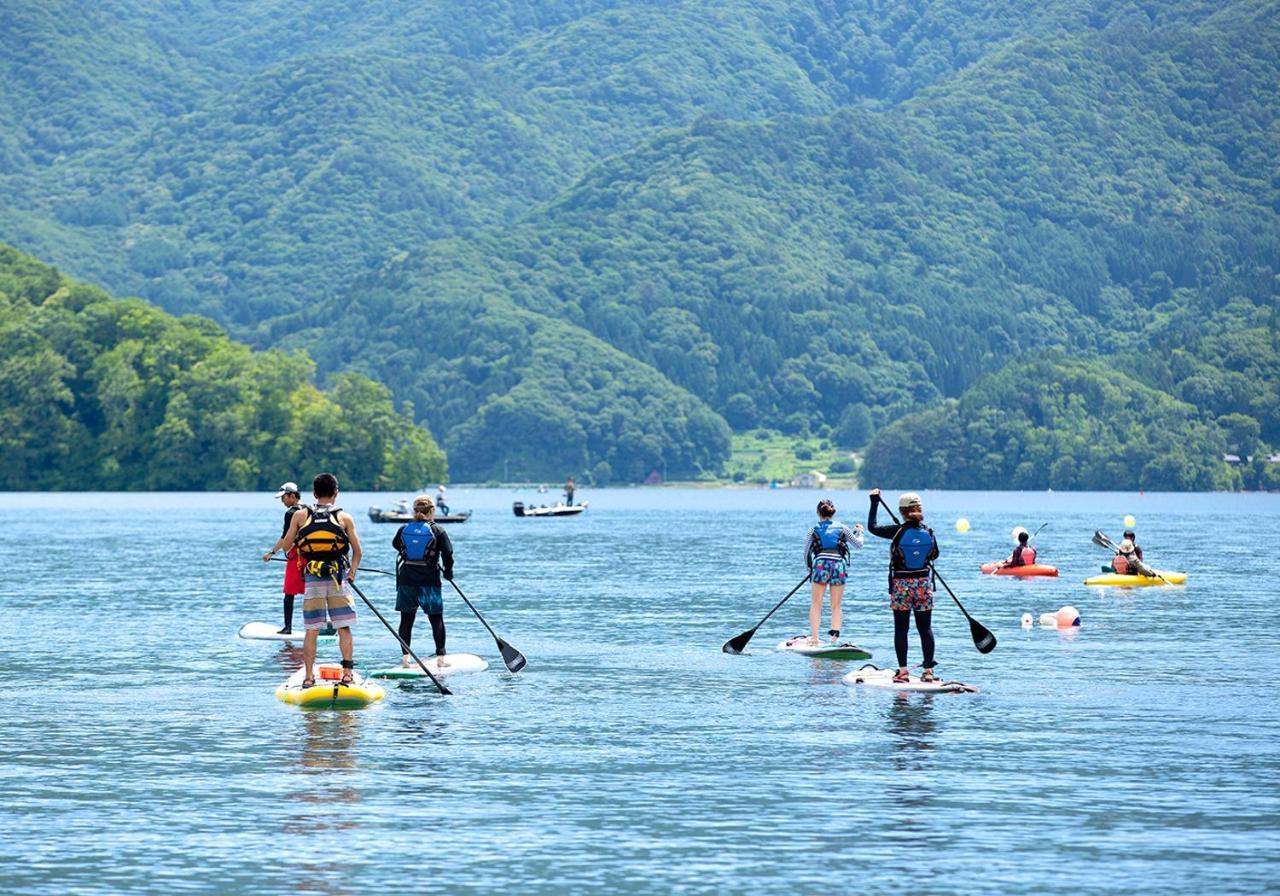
(422, 547)
(826, 555)
(912, 549)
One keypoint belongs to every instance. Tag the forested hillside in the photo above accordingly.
(582, 236)
(103, 394)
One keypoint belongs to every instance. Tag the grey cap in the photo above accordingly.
(289, 488)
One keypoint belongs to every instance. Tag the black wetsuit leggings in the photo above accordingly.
(924, 626)
(288, 611)
(437, 628)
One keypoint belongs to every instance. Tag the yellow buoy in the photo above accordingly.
(962, 525)
(1130, 522)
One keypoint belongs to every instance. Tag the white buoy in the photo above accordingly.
(1049, 620)
(1026, 620)
(1017, 530)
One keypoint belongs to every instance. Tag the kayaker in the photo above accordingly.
(1128, 533)
(289, 496)
(1023, 554)
(329, 551)
(912, 550)
(422, 547)
(1128, 560)
(568, 491)
(826, 554)
(441, 504)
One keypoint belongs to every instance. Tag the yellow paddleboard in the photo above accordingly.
(328, 692)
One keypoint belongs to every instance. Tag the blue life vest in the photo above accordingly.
(420, 546)
(913, 548)
(829, 538)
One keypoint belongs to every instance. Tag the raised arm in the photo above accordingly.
(872, 527)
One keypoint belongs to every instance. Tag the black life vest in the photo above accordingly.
(323, 539)
(912, 549)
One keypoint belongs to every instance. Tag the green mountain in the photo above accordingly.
(607, 228)
(103, 394)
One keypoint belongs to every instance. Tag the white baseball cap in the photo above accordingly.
(287, 488)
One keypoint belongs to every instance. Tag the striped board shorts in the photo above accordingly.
(326, 604)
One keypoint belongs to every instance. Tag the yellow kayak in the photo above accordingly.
(328, 692)
(1128, 581)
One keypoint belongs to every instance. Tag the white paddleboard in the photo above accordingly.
(824, 650)
(453, 664)
(872, 677)
(265, 631)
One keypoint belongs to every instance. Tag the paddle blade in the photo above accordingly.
(982, 637)
(513, 658)
(738, 644)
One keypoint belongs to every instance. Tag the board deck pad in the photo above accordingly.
(265, 631)
(874, 677)
(826, 650)
(454, 663)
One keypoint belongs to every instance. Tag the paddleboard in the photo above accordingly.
(872, 677)
(825, 650)
(265, 631)
(1127, 581)
(453, 664)
(328, 692)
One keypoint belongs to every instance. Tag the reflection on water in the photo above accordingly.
(913, 732)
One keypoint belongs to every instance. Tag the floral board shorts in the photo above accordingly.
(829, 571)
(326, 604)
(410, 597)
(911, 594)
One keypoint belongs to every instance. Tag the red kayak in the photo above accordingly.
(1031, 569)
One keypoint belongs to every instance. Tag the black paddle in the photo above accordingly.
(405, 647)
(982, 637)
(513, 658)
(735, 645)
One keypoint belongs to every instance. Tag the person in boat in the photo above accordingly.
(441, 504)
(422, 547)
(827, 556)
(290, 497)
(568, 491)
(1128, 559)
(1023, 553)
(329, 551)
(912, 550)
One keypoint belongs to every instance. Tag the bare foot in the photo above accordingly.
(813, 641)
(404, 661)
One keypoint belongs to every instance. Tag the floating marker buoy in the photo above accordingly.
(1026, 620)
(1049, 620)
(962, 525)
(1130, 522)
(1017, 530)
(1068, 616)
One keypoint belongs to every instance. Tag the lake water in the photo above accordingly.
(144, 748)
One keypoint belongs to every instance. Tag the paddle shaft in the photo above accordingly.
(750, 633)
(979, 631)
(403, 646)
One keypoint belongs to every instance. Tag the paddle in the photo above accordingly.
(735, 645)
(403, 646)
(513, 658)
(983, 640)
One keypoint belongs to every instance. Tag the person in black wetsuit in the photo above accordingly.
(912, 550)
(423, 548)
(290, 498)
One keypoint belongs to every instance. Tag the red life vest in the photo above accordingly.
(1120, 564)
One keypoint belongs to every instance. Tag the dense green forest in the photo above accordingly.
(109, 394)
(595, 236)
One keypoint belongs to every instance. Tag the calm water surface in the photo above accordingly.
(144, 748)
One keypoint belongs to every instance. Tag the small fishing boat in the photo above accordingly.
(561, 509)
(378, 515)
